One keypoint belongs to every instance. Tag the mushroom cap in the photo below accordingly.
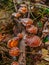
(45, 31)
(13, 42)
(20, 35)
(17, 15)
(14, 63)
(32, 29)
(23, 10)
(14, 51)
(33, 41)
(27, 21)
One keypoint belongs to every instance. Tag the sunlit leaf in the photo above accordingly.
(46, 58)
(44, 52)
(47, 10)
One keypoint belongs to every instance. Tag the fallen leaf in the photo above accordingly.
(44, 52)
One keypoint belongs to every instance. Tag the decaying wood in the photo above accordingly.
(22, 58)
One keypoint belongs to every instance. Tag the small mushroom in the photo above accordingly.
(13, 42)
(27, 21)
(14, 51)
(33, 41)
(45, 31)
(20, 35)
(23, 10)
(32, 29)
(14, 63)
(17, 15)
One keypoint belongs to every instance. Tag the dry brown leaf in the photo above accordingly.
(44, 52)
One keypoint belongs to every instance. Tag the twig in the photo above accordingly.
(14, 1)
(2, 18)
(30, 53)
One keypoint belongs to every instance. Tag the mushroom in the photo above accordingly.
(27, 21)
(33, 41)
(13, 42)
(32, 29)
(14, 63)
(14, 51)
(23, 10)
(20, 35)
(45, 31)
(17, 15)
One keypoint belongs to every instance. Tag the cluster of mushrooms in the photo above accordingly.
(33, 39)
(13, 46)
(28, 23)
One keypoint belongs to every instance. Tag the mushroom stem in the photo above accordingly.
(14, 58)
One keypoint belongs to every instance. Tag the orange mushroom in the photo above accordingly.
(23, 10)
(13, 42)
(27, 21)
(14, 63)
(33, 41)
(20, 35)
(14, 51)
(17, 15)
(32, 29)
